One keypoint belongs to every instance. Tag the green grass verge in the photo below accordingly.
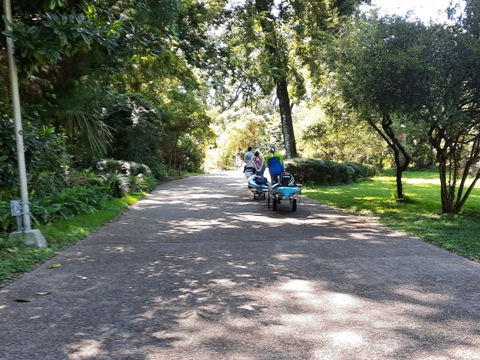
(16, 258)
(418, 215)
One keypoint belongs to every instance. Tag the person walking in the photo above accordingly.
(249, 167)
(274, 161)
(238, 161)
(258, 162)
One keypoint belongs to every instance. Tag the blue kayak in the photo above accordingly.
(258, 185)
(280, 193)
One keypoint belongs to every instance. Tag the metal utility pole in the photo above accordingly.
(31, 237)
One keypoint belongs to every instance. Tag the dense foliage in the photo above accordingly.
(420, 78)
(99, 80)
(55, 198)
(325, 172)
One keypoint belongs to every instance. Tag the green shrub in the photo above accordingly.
(139, 140)
(142, 183)
(139, 169)
(115, 184)
(127, 168)
(68, 203)
(120, 177)
(113, 166)
(325, 172)
(48, 183)
(46, 158)
(7, 222)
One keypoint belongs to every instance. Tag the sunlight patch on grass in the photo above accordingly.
(383, 179)
(369, 198)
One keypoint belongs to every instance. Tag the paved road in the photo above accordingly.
(200, 270)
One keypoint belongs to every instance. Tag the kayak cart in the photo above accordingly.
(258, 185)
(284, 190)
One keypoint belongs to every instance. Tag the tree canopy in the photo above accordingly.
(399, 74)
(164, 82)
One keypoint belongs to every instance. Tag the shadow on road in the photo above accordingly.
(200, 270)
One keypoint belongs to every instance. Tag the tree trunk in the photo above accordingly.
(473, 159)
(398, 173)
(278, 60)
(399, 151)
(444, 148)
(286, 118)
(445, 188)
(387, 133)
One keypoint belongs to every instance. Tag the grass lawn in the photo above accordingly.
(419, 215)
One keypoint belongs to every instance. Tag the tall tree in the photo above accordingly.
(379, 74)
(452, 110)
(70, 53)
(424, 74)
(272, 40)
(277, 61)
(62, 48)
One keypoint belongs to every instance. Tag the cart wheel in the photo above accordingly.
(274, 204)
(294, 205)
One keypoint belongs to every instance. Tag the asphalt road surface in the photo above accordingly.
(200, 270)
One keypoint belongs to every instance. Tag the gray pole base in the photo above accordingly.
(31, 237)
